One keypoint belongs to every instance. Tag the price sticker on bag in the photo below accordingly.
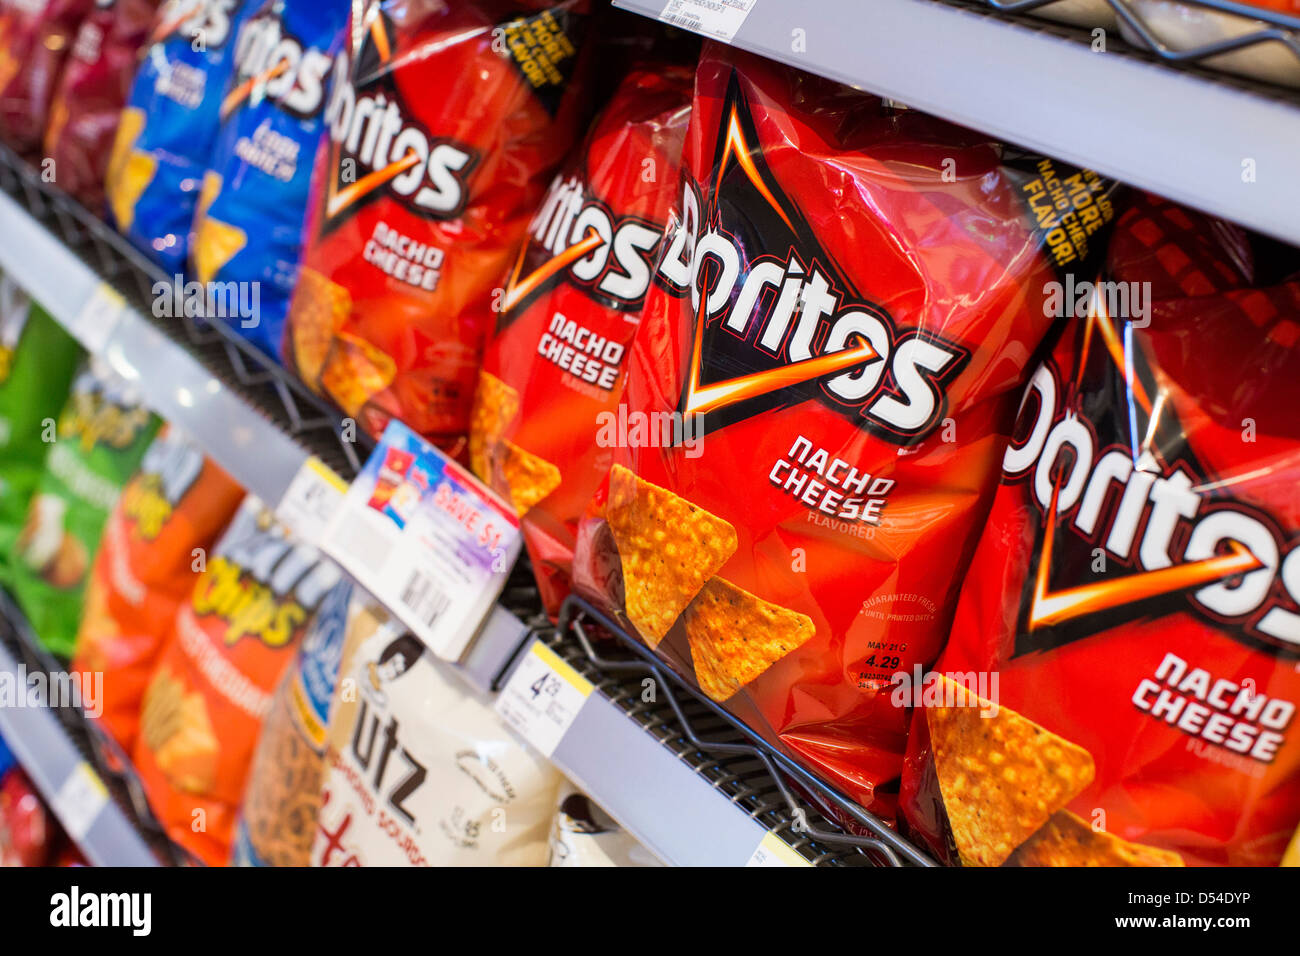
(422, 535)
(542, 698)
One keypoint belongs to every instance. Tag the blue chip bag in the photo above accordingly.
(271, 123)
(168, 129)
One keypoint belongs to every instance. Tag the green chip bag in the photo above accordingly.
(102, 435)
(37, 362)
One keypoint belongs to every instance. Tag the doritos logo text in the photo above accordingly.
(271, 62)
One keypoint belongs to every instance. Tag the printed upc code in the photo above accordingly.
(425, 597)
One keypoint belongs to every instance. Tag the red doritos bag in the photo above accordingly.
(35, 36)
(445, 122)
(553, 374)
(824, 379)
(1125, 648)
(166, 519)
(91, 91)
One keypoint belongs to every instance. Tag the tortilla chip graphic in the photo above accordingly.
(215, 244)
(529, 477)
(1002, 777)
(319, 309)
(669, 548)
(1068, 840)
(129, 170)
(735, 636)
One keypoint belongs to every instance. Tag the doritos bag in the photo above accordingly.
(38, 359)
(87, 104)
(817, 399)
(169, 127)
(445, 123)
(271, 124)
(168, 516)
(101, 436)
(420, 769)
(205, 703)
(277, 823)
(1120, 684)
(35, 36)
(553, 374)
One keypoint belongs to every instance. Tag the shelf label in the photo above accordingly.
(79, 800)
(425, 538)
(98, 317)
(542, 698)
(311, 500)
(720, 19)
(773, 851)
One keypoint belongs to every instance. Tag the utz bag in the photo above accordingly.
(250, 230)
(168, 128)
(1120, 684)
(445, 123)
(35, 37)
(554, 371)
(212, 687)
(420, 770)
(92, 89)
(824, 378)
(166, 519)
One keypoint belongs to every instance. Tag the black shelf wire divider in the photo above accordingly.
(1277, 28)
(94, 744)
(759, 779)
(311, 421)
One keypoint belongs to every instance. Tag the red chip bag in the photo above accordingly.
(35, 37)
(817, 399)
(553, 374)
(166, 519)
(204, 706)
(91, 91)
(445, 122)
(1136, 592)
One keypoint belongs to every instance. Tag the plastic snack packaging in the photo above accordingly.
(100, 438)
(28, 832)
(278, 820)
(35, 37)
(824, 378)
(37, 362)
(553, 373)
(1134, 593)
(212, 687)
(168, 128)
(445, 123)
(256, 187)
(92, 89)
(421, 772)
(585, 835)
(168, 516)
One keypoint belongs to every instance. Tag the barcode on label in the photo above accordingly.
(685, 21)
(425, 597)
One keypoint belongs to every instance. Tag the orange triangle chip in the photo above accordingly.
(736, 636)
(529, 477)
(495, 406)
(669, 547)
(1002, 776)
(356, 372)
(1068, 840)
(215, 244)
(319, 308)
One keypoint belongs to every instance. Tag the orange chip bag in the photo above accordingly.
(206, 699)
(169, 512)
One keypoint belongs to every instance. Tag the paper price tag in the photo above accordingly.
(542, 698)
(98, 318)
(721, 19)
(311, 500)
(79, 800)
(421, 534)
(773, 851)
